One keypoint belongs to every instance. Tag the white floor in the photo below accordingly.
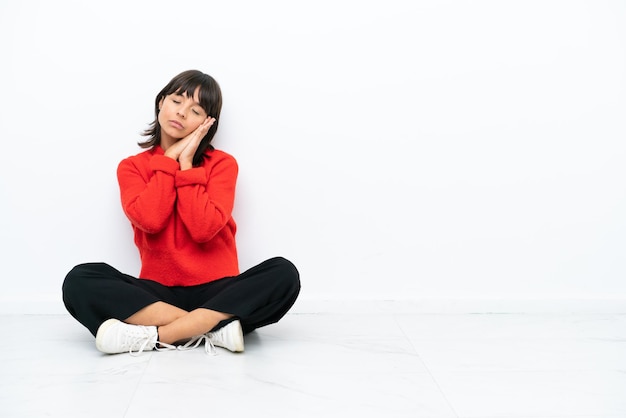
(330, 365)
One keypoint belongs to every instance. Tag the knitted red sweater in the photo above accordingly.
(182, 220)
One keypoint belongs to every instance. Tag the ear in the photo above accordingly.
(161, 102)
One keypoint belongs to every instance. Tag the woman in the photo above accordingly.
(179, 196)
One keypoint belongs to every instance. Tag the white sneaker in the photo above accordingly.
(115, 336)
(229, 337)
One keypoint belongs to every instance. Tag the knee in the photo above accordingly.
(287, 273)
(72, 281)
(70, 288)
(77, 278)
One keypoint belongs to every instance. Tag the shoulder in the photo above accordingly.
(138, 163)
(217, 156)
(140, 157)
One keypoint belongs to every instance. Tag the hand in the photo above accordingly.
(184, 150)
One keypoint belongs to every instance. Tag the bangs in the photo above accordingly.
(209, 98)
(187, 86)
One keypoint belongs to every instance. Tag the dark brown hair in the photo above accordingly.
(210, 96)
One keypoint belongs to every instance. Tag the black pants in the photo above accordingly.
(95, 292)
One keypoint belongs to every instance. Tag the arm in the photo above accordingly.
(206, 197)
(148, 193)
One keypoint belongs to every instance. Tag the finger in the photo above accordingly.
(209, 121)
(204, 127)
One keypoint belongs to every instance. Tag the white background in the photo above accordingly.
(393, 150)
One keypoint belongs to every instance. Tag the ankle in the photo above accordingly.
(163, 336)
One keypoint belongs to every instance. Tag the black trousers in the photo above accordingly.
(262, 295)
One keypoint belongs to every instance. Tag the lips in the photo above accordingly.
(176, 124)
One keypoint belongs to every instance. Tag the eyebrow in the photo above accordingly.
(184, 94)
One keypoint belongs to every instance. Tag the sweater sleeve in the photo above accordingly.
(147, 191)
(206, 197)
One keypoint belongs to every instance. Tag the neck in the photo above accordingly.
(166, 142)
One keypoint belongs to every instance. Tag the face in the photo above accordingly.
(179, 116)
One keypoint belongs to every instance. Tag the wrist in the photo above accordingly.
(171, 154)
(185, 165)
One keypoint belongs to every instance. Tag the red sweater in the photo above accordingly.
(182, 220)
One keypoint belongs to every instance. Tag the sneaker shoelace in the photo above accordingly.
(159, 346)
(209, 348)
(144, 337)
(194, 342)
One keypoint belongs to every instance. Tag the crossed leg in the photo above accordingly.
(175, 324)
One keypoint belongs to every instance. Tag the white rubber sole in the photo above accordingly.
(101, 332)
(233, 333)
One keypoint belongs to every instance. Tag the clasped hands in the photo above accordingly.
(184, 149)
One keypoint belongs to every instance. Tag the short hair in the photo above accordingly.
(210, 96)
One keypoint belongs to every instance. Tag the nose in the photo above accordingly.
(181, 112)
